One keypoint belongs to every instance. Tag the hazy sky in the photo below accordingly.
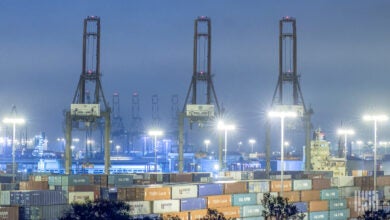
(147, 46)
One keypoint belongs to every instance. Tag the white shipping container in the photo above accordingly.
(140, 207)
(348, 191)
(341, 181)
(164, 206)
(258, 186)
(80, 197)
(302, 185)
(260, 196)
(386, 191)
(184, 191)
(5, 197)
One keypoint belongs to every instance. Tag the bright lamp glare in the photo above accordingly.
(14, 120)
(346, 131)
(375, 117)
(155, 133)
(223, 126)
(252, 141)
(282, 114)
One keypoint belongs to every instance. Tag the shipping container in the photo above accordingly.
(33, 185)
(292, 196)
(38, 197)
(348, 191)
(230, 212)
(301, 206)
(120, 180)
(250, 218)
(210, 189)
(337, 204)
(258, 186)
(341, 214)
(81, 197)
(9, 213)
(179, 215)
(144, 193)
(47, 212)
(317, 206)
(277, 187)
(310, 195)
(165, 206)
(219, 201)
(196, 177)
(184, 191)
(251, 211)
(323, 215)
(260, 196)
(193, 204)
(71, 180)
(139, 207)
(302, 185)
(319, 184)
(244, 199)
(197, 214)
(237, 187)
(354, 204)
(341, 181)
(383, 181)
(359, 173)
(180, 177)
(5, 198)
(328, 194)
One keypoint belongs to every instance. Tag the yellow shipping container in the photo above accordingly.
(276, 185)
(180, 215)
(219, 201)
(230, 212)
(197, 214)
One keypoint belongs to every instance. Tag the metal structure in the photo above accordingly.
(288, 74)
(137, 128)
(119, 134)
(197, 110)
(155, 111)
(89, 113)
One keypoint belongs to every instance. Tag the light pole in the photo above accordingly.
(282, 115)
(207, 142)
(375, 119)
(13, 121)
(252, 142)
(155, 133)
(226, 128)
(117, 149)
(345, 132)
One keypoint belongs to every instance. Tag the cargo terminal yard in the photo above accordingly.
(188, 163)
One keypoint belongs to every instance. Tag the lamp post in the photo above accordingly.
(282, 115)
(13, 121)
(375, 119)
(155, 133)
(207, 142)
(345, 132)
(252, 142)
(225, 128)
(117, 147)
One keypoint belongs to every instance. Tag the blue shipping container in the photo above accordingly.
(327, 194)
(210, 189)
(339, 214)
(192, 204)
(319, 215)
(301, 206)
(337, 204)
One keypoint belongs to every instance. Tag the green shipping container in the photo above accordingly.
(328, 194)
(251, 211)
(244, 199)
(337, 204)
(341, 214)
(319, 215)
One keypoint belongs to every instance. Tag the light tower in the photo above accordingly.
(136, 125)
(89, 115)
(283, 98)
(197, 107)
(119, 134)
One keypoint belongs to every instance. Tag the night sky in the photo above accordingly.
(147, 46)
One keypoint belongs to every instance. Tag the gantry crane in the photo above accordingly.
(87, 114)
(199, 111)
(288, 74)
